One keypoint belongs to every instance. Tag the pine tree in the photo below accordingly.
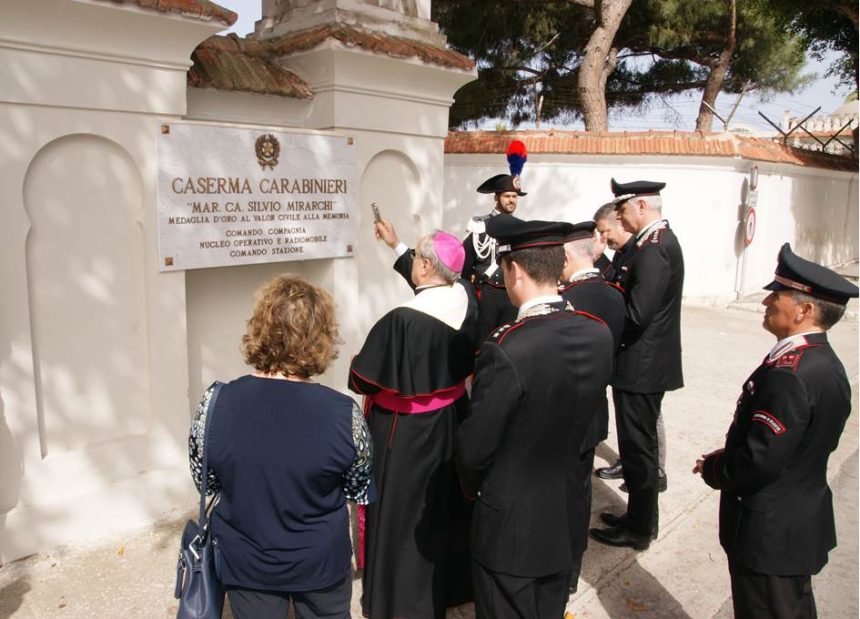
(566, 60)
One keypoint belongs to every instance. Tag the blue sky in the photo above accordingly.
(674, 113)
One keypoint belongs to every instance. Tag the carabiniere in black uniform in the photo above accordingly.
(776, 515)
(648, 364)
(536, 387)
(776, 509)
(481, 268)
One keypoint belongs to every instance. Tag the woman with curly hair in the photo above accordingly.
(285, 453)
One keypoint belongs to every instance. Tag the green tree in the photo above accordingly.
(564, 60)
(524, 51)
(716, 46)
(549, 59)
(827, 26)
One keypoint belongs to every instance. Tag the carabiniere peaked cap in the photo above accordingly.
(514, 234)
(582, 230)
(796, 273)
(501, 183)
(625, 191)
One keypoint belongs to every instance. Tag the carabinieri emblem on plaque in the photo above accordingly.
(268, 149)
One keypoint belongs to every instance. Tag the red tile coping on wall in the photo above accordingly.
(248, 65)
(376, 42)
(199, 9)
(676, 143)
(245, 65)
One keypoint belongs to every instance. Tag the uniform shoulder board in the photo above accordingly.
(790, 359)
(500, 331)
(478, 224)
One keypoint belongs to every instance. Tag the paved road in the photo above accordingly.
(682, 575)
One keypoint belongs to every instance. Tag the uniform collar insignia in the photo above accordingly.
(584, 274)
(541, 309)
(654, 226)
(787, 345)
(539, 306)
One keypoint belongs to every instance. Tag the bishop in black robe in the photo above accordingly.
(412, 370)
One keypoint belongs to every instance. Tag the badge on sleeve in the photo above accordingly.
(774, 424)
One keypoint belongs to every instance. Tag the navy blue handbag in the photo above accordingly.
(200, 593)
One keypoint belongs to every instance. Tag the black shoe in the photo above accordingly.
(613, 520)
(610, 472)
(621, 536)
(662, 484)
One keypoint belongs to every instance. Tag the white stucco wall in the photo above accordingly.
(102, 357)
(93, 362)
(815, 210)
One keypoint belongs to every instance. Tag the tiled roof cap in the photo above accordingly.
(232, 63)
(249, 65)
(645, 143)
(376, 42)
(199, 9)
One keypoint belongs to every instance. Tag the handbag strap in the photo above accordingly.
(204, 483)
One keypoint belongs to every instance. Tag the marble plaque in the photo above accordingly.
(235, 195)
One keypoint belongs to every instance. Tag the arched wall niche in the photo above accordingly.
(392, 180)
(85, 257)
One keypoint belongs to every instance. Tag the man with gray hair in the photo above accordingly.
(649, 358)
(621, 241)
(776, 510)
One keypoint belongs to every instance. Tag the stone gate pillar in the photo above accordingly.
(380, 72)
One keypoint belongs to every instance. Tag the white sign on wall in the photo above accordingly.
(229, 196)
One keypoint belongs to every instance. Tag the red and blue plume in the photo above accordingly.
(516, 154)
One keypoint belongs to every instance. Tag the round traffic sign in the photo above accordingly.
(749, 227)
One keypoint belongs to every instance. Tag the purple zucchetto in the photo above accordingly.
(449, 250)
